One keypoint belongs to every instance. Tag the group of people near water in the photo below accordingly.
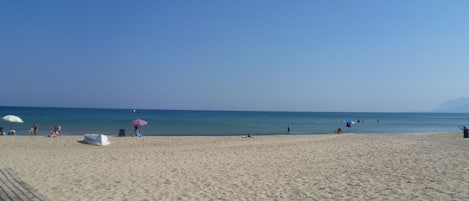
(348, 124)
(57, 131)
(10, 132)
(35, 130)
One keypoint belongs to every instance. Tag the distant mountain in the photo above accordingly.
(454, 105)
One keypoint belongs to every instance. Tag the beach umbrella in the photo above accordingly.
(12, 119)
(139, 122)
(349, 123)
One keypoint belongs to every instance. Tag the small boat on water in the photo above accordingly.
(97, 139)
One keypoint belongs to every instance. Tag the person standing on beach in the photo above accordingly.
(288, 130)
(136, 130)
(339, 130)
(35, 129)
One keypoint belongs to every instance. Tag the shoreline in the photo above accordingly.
(228, 123)
(283, 167)
(333, 132)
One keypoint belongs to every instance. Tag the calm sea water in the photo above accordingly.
(214, 123)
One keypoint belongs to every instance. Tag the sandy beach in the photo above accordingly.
(418, 166)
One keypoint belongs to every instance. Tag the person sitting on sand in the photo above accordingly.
(58, 130)
(12, 132)
(52, 133)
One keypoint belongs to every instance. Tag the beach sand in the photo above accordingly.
(415, 166)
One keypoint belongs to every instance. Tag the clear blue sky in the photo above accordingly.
(391, 56)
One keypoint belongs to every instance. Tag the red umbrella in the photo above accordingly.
(139, 122)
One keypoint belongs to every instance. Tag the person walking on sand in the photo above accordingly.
(288, 130)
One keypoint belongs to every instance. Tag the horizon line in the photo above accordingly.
(217, 110)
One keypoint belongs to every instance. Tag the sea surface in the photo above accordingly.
(78, 121)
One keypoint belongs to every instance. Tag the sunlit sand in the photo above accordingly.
(415, 166)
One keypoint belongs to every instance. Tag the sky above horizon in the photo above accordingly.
(364, 55)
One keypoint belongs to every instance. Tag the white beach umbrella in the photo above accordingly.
(12, 119)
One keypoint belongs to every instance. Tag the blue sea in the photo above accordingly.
(78, 121)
